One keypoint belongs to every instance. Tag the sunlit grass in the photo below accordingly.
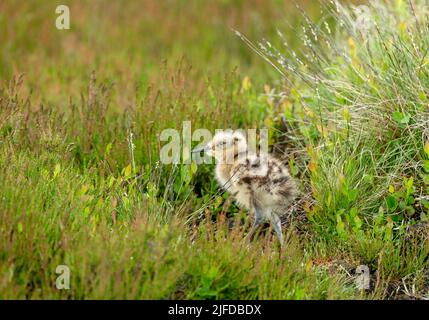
(82, 185)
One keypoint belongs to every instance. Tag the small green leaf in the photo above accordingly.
(426, 148)
(108, 148)
(127, 171)
(397, 116)
(392, 203)
(358, 222)
(213, 272)
(400, 117)
(426, 166)
(353, 212)
(408, 183)
(422, 96)
(425, 203)
(341, 227)
(406, 119)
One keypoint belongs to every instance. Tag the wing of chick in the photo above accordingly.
(263, 181)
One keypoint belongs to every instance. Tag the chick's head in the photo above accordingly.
(225, 146)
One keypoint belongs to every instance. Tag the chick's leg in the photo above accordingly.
(257, 222)
(275, 220)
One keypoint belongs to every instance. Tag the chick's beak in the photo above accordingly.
(199, 149)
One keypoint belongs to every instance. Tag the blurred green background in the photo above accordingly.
(128, 41)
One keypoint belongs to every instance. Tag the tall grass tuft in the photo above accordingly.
(355, 100)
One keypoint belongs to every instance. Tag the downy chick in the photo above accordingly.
(258, 183)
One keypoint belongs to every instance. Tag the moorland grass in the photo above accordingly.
(82, 185)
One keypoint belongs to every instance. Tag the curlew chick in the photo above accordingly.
(258, 183)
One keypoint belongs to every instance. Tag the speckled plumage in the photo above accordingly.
(259, 183)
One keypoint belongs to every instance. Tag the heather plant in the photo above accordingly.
(344, 99)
